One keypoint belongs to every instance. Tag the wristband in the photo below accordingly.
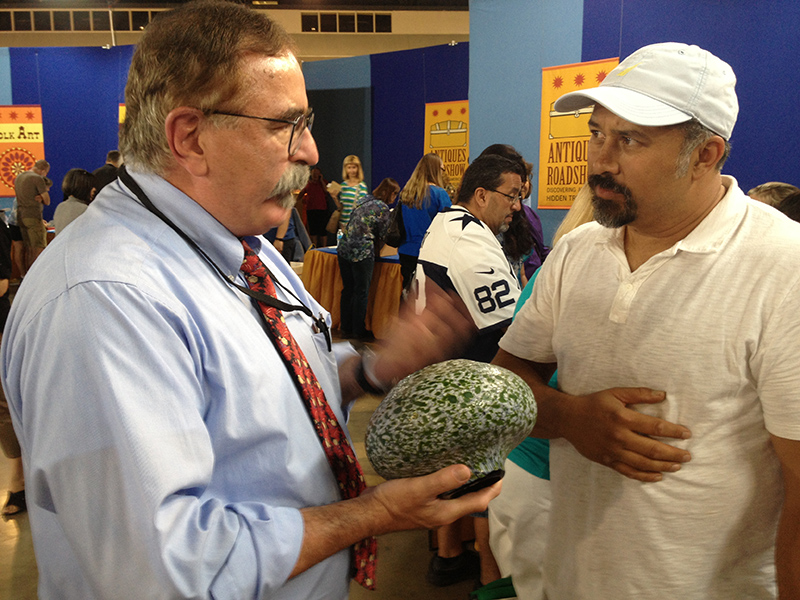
(277, 239)
(364, 375)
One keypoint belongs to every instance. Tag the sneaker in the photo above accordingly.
(448, 571)
(16, 504)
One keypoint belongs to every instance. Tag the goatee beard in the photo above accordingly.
(610, 213)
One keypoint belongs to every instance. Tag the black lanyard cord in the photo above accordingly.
(320, 326)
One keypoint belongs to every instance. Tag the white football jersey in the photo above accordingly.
(460, 253)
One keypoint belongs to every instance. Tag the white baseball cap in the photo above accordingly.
(666, 84)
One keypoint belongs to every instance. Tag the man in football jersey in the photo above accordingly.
(461, 252)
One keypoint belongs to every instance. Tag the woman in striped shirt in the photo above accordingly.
(353, 187)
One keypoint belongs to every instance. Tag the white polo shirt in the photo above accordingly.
(715, 322)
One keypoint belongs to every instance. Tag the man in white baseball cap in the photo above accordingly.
(674, 322)
(666, 84)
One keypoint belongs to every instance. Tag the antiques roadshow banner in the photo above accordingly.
(21, 143)
(564, 136)
(447, 134)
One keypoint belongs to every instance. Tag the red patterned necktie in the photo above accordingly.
(341, 457)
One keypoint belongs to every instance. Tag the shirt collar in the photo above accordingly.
(211, 236)
(456, 208)
(714, 231)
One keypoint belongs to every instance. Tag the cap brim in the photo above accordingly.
(632, 106)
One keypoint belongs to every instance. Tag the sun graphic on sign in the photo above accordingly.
(13, 162)
(601, 76)
(579, 79)
(558, 82)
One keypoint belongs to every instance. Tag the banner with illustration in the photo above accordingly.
(564, 136)
(447, 134)
(21, 143)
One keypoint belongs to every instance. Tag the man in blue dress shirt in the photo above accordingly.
(167, 450)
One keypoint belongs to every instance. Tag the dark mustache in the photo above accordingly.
(605, 180)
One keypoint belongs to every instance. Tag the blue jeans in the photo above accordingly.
(356, 278)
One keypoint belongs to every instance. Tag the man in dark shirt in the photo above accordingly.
(108, 172)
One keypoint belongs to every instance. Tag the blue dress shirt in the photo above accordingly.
(166, 450)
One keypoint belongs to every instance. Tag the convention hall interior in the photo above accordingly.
(371, 66)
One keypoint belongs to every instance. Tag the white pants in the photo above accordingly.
(518, 521)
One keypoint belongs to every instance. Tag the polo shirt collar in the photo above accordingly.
(714, 231)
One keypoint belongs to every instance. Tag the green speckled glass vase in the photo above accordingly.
(457, 411)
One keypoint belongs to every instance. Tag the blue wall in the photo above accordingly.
(341, 73)
(510, 42)
(80, 90)
(399, 86)
(402, 83)
(758, 39)
(341, 93)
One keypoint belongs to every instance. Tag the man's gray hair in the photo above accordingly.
(694, 135)
(190, 56)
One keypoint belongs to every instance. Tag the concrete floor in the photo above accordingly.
(403, 557)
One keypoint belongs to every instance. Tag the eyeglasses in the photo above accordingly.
(299, 126)
(513, 199)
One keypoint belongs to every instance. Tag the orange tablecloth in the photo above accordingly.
(322, 279)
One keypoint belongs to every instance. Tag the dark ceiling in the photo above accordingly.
(271, 4)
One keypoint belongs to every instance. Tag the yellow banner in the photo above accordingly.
(447, 134)
(565, 136)
(21, 143)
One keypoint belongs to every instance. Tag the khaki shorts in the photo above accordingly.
(34, 233)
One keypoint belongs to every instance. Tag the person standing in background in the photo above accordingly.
(526, 225)
(353, 187)
(108, 172)
(421, 200)
(79, 190)
(16, 502)
(284, 237)
(790, 206)
(772, 192)
(315, 198)
(358, 248)
(17, 248)
(32, 196)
